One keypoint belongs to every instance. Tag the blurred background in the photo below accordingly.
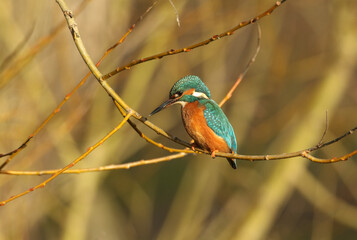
(306, 66)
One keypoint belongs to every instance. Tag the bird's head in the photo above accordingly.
(185, 90)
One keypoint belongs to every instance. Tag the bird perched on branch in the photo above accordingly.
(203, 119)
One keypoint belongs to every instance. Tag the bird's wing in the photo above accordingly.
(218, 122)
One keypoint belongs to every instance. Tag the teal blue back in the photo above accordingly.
(218, 122)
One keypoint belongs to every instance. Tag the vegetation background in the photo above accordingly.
(307, 65)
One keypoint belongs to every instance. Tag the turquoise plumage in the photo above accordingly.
(203, 119)
(219, 123)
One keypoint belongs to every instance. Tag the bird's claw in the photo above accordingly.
(213, 153)
(193, 145)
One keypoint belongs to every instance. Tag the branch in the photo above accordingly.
(13, 153)
(7, 60)
(60, 171)
(331, 160)
(128, 112)
(21, 62)
(184, 152)
(321, 145)
(72, 25)
(73, 28)
(241, 76)
(149, 140)
(302, 153)
(98, 169)
(101, 79)
(196, 45)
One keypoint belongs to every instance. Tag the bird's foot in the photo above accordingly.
(213, 153)
(193, 145)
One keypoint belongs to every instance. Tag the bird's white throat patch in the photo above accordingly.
(182, 103)
(199, 95)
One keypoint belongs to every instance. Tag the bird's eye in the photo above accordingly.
(178, 94)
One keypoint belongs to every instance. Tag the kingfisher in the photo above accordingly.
(203, 119)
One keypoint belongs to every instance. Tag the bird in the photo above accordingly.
(202, 117)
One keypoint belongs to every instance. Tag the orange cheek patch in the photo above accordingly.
(188, 92)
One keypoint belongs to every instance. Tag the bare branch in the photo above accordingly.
(333, 141)
(21, 62)
(15, 52)
(241, 76)
(184, 152)
(128, 112)
(176, 13)
(98, 169)
(60, 171)
(325, 131)
(302, 153)
(196, 45)
(13, 153)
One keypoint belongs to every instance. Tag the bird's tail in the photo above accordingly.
(232, 162)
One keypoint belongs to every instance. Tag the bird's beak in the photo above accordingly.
(164, 105)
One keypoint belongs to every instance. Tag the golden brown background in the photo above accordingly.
(307, 65)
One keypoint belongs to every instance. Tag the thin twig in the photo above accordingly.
(325, 131)
(73, 28)
(146, 138)
(121, 102)
(330, 160)
(7, 60)
(196, 45)
(303, 153)
(129, 112)
(176, 13)
(13, 153)
(26, 58)
(98, 169)
(89, 150)
(241, 76)
(333, 141)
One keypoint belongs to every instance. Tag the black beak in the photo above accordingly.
(164, 105)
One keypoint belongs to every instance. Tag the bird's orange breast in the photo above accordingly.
(196, 126)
